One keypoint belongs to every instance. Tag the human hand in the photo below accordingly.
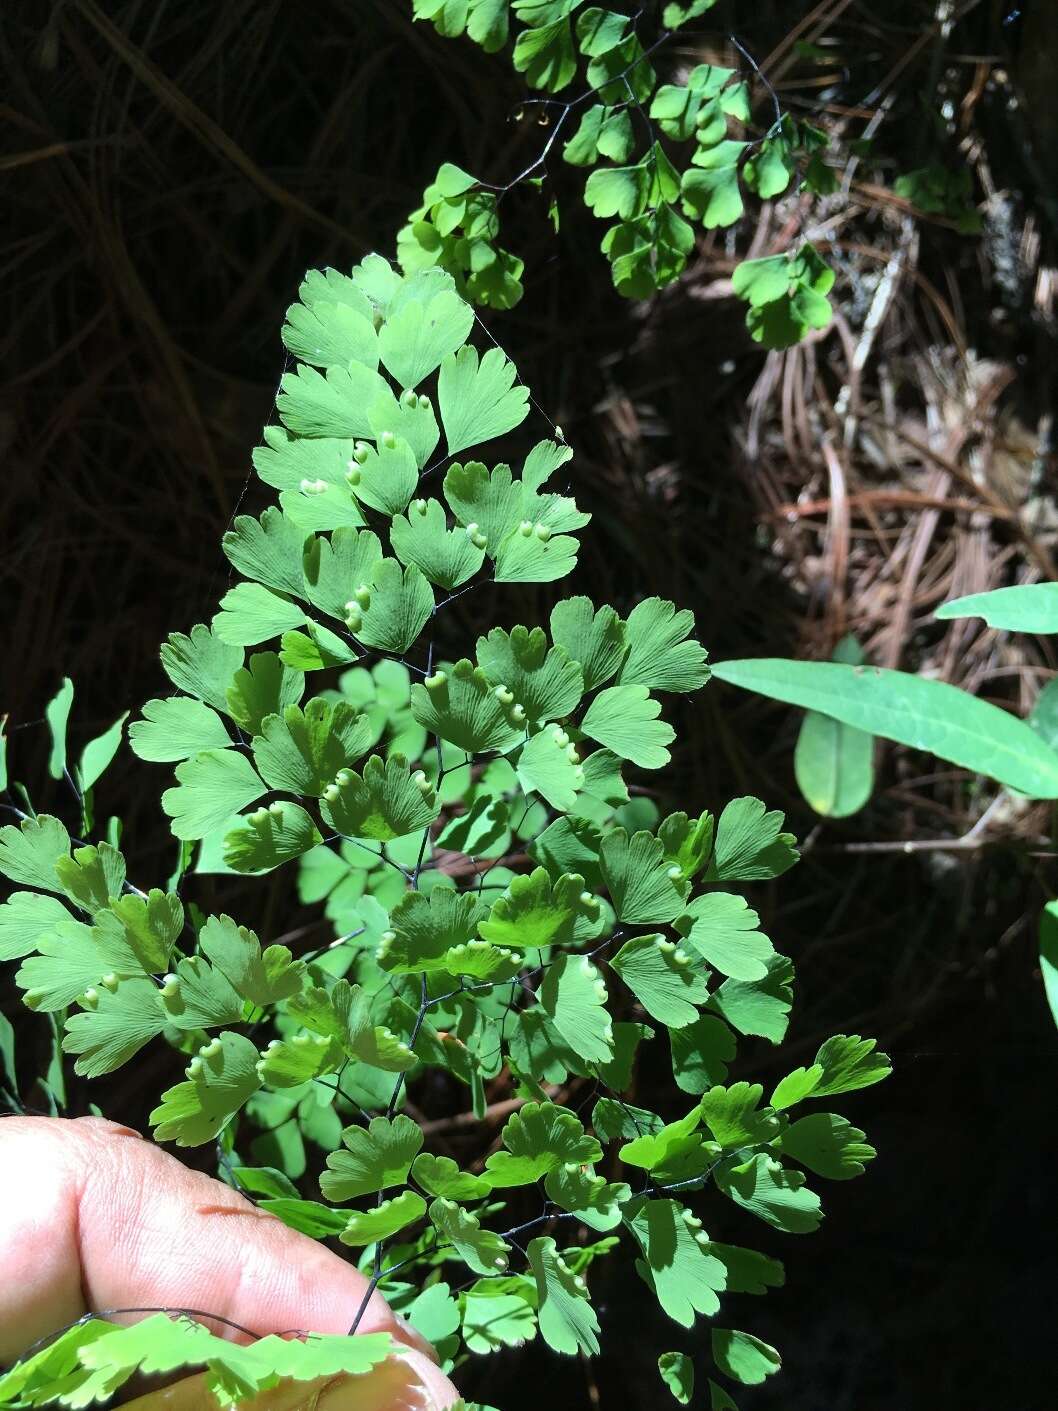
(93, 1217)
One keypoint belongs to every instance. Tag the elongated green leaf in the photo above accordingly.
(1032, 607)
(924, 714)
(1049, 956)
(367, 1226)
(567, 1320)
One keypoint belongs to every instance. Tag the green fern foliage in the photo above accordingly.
(663, 159)
(507, 919)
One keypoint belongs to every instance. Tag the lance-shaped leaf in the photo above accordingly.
(539, 1138)
(722, 928)
(448, 557)
(367, 1226)
(777, 1196)
(744, 1357)
(828, 1145)
(639, 878)
(123, 1020)
(461, 707)
(913, 710)
(270, 836)
(92, 876)
(211, 787)
(478, 398)
(343, 1014)
(661, 976)
(750, 843)
(96, 757)
(175, 729)
(28, 853)
(151, 925)
(625, 719)
(387, 801)
(220, 1080)
(374, 1158)
(441, 1176)
(426, 928)
(73, 958)
(483, 1251)
(592, 1199)
(336, 567)
(57, 714)
(336, 405)
(574, 997)
(661, 656)
(265, 686)
(302, 750)
(549, 765)
(567, 1319)
(534, 912)
(331, 334)
(201, 664)
(25, 918)
(262, 976)
(595, 638)
(1031, 607)
(393, 610)
(308, 1217)
(676, 1264)
(543, 680)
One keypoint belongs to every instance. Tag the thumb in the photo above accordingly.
(94, 1217)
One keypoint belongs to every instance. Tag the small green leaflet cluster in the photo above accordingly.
(662, 158)
(509, 916)
(94, 1359)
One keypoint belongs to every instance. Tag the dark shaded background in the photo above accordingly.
(170, 170)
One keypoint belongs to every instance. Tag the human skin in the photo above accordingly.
(93, 1217)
